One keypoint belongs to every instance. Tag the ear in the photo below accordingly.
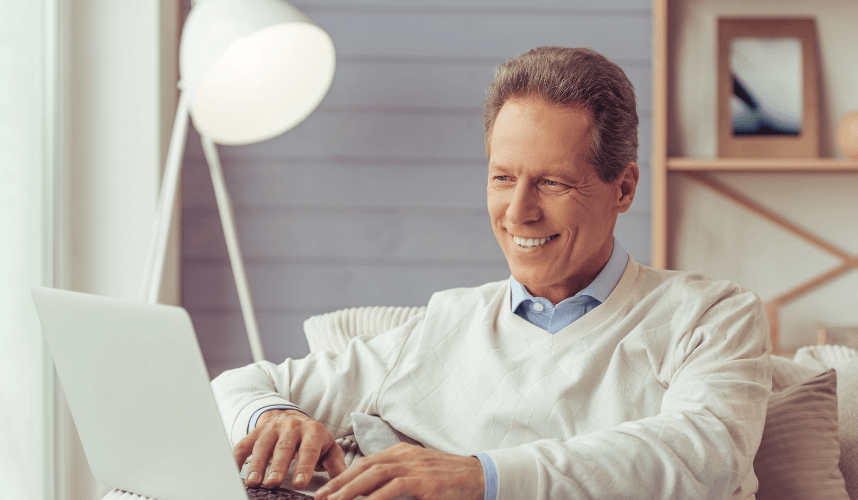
(627, 184)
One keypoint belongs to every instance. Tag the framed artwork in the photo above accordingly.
(768, 88)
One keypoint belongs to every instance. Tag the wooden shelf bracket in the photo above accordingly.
(773, 306)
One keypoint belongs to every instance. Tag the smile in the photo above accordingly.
(532, 242)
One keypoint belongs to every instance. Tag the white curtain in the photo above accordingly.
(26, 136)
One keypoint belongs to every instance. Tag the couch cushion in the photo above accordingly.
(334, 330)
(823, 357)
(787, 373)
(799, 454)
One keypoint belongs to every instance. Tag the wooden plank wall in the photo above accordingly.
(378, 198)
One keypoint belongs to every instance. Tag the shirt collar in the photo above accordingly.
(599, 289)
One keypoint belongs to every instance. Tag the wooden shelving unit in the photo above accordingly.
(698, 169)
(761, 165)
(658, 163)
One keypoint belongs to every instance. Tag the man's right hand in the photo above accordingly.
(278, 435)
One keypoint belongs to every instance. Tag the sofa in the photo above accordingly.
(809, 448)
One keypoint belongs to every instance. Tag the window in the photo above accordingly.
(26, 136)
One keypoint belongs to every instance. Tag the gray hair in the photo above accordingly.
(577, 78)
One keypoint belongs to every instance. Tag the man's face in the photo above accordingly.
(540, 189)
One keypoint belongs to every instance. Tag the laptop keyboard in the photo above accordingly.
(278, 494)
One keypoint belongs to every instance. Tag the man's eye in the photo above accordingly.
(551, 184)
(501, 178)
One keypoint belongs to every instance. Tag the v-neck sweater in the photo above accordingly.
(660, 392)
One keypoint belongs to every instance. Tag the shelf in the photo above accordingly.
(684, 88)
(761, 165)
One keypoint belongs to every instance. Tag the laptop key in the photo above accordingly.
(278, 494)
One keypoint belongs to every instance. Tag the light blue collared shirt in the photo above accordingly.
(542, 313)
(547, 316)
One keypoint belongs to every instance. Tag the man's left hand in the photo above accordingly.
(408, 470)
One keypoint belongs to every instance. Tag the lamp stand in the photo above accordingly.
(165, 209)
(227, 219)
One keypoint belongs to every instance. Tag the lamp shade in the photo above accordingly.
(253, 68)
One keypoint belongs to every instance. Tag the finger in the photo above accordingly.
(332, 486)
(284, 450)
(308, 455)
(261, 455)
(334, 460)
(244, 448)
(367, 481)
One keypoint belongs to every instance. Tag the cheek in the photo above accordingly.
(495, 205)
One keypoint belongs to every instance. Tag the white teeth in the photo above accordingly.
(530, 242)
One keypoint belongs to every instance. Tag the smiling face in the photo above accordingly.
(551, 213)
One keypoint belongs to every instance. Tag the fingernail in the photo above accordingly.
(253, 476)
(299, 478)
(273, 477)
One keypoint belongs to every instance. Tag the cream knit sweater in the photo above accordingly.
(660, 392)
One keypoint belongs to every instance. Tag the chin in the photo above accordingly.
(532, 280)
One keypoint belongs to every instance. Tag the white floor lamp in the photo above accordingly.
(249, 71)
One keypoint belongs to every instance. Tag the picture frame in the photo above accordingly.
(768, 81)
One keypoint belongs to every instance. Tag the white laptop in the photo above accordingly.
(139, 393)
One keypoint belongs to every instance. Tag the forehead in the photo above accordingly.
(530, 132)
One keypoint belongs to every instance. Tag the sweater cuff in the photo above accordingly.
(239, 426)
(517, 473)
(490, 472)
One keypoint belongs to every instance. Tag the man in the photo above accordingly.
(584, 375)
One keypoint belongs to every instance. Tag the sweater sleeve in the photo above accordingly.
(326, 386)
(702, 442)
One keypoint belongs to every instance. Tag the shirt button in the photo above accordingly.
(538, 307)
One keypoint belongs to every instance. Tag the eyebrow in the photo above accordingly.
(563, 171)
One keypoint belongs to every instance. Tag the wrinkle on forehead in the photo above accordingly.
(519, 124)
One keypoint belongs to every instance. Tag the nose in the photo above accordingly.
(524, 205)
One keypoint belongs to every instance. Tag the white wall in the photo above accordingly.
(117, 97)
(716, 237)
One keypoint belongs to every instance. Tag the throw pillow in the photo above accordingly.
(799, 453)
(815, 359)
(847, 402)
